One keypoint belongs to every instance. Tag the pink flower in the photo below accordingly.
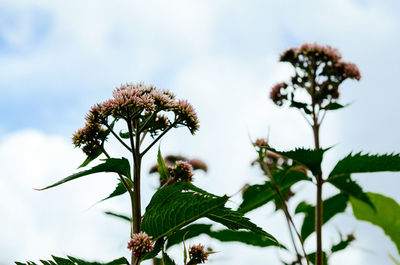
(140, 244)
(276, 93)
(183, 171)
(186, 115)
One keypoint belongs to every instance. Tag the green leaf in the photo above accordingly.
(91, 157)
(119, 190)
(246, 237)
(360, 163)
(123, 217)
(386, 216)
(332, 206)
(347, 185)
(300, 105)
(310, 158)
(256, 196)
(124, 135)
(235, 221)
(172, 207)
(167, 260)
(334, 106)
(259, 195)
(162, 167)
(116, 165)
(188, 232)
(344, 243)
(74, 261)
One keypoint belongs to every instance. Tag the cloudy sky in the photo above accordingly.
(58, 58)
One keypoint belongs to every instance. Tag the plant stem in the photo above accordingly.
(284, 207)
(135, 199)
(319, 203)
(319, 206)
(293, 241)
(118, 138)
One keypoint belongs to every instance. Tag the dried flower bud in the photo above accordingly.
(197, 254)
(140, 244)
(351, 237)
(183, 171)
(260, 143)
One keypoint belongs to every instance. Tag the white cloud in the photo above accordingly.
(36, 224)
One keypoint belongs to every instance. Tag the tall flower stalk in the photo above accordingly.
(148, 112)
(319, 70)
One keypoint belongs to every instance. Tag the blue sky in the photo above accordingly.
(58, 59)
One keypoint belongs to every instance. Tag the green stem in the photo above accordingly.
(319, 202)
(284, 207)
(118, 138)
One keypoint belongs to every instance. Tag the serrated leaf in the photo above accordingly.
(364, 163)
(162, 167)
(246, 237)
(116, 165)
(259, 195)
(347, 185)
(386, 216)
(188, 232)
(120, 216)
(167, 260)
(235, 221)
(256, 196)
(62, 261)
(310, 158)
(74, 261)
(332, 206)
(173, 207)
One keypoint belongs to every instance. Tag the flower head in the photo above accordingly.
(182, 171)
(89, 138)
(319, 70)
(197, 254)
(276, 93)
(140, 244)
(260, 142)
(186, 115)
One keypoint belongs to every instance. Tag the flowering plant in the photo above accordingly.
(148, 114)
(313, 89)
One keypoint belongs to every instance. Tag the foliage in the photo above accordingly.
(386, 216)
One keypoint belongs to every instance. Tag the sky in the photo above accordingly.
(58, 58)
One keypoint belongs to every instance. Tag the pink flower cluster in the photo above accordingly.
(319, 70)
(140, 244)
(144, 104)
(276, 93)
(91, 136)
(182, 171)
